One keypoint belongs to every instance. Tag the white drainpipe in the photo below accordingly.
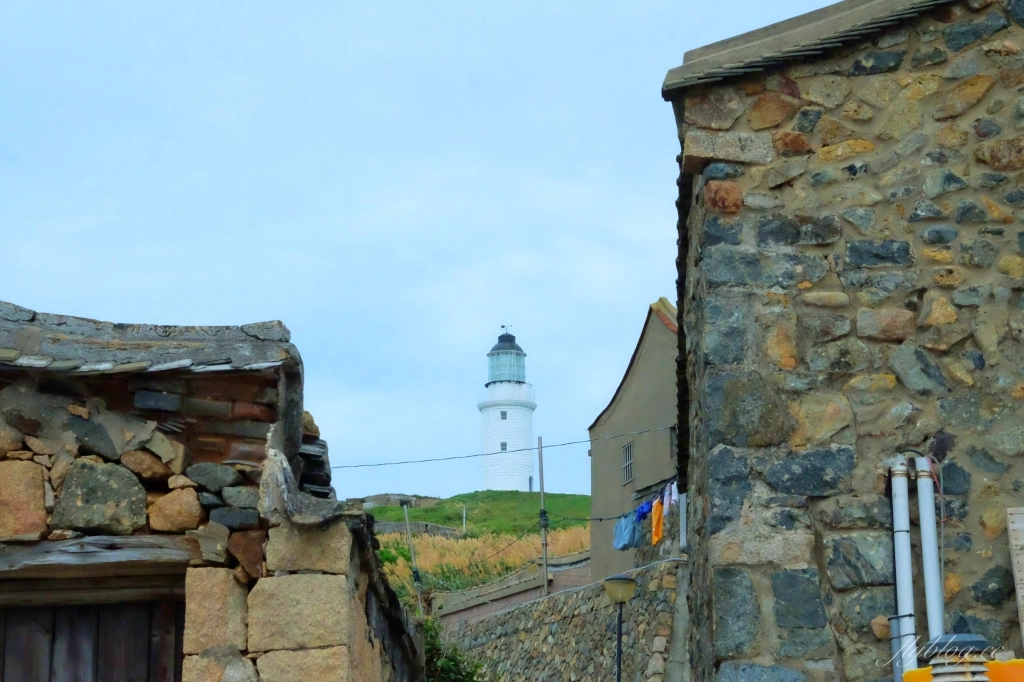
(904, 575)
(930, 549)
(895, 644)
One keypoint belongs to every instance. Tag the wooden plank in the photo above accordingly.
(99, 556)
(163, 641)
(1015, 532)
(91, 590)
(75, 633)
(179, 641)
(123, 646)
(3, 639)
(29, 640)
(83, 597)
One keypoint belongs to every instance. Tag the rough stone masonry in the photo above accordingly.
(133, 453)
(851, 264)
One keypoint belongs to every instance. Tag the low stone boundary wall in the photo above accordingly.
(417, 528)
(571, 635)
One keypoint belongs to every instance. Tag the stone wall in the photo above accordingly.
(321, 613)
(855, 264)
(416, 527)
(295, 602)
(456, 609)
(572, 635)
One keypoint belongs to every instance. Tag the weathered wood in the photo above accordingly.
(163, 635)
(3, 640)
(29, 639)
(123, 648)
(179, 642)
(99, 556)
(92, 590)
(75, 633)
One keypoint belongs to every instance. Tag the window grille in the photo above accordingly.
(627, 463)
(504, 415)
(504, 447)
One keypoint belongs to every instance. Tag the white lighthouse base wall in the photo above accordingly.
(511, 471)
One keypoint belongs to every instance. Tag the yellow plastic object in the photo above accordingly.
(919, 675)
(1006, 671)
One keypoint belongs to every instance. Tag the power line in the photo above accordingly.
(487, 558)
(490, 454)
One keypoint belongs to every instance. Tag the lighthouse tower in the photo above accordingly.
(506, 408)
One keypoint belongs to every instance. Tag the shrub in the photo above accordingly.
(445, 663)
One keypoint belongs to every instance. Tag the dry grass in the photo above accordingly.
(447, 563)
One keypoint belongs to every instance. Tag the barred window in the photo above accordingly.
(504, 415)
(627, 463)
(504, 447)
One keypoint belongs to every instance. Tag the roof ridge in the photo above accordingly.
(667, 313)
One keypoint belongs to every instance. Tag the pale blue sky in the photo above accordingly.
(392, 180)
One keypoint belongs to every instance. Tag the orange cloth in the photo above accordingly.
(1009, 671)
(657, 522)
(998, 671)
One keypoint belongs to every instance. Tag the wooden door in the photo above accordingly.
(137, 642)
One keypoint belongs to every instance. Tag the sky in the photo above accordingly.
(394, 181)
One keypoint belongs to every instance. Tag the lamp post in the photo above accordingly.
(620, 589)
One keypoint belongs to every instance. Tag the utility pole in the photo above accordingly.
(412, 555)
(543, 518)
(463, 519)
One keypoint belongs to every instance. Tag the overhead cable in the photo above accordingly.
(490, 454)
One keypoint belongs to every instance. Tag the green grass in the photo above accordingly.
(493, 511)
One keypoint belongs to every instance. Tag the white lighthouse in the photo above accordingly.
(506, 410)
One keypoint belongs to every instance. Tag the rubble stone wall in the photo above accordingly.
(572, 635)
(316, 615)
(265, 597)
(856, 264)
(417, 528)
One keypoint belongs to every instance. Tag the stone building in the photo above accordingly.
(627, 470)
(166, 513)
(851, 261)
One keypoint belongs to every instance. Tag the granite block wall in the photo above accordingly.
(855, 264)
(572, 635)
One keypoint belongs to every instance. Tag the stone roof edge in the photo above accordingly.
(801, 36)
(86, 346)
(270, 331)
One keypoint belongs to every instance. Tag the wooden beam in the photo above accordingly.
(99, 556)
(92, 591)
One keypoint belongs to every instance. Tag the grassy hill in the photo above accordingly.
(493, 511)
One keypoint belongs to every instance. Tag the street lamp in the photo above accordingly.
(620, 589)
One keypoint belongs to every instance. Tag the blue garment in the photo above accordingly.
(628, 534)
(644, 510)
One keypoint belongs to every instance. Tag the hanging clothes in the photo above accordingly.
(674, 490)
(627, 534)
(643, 510)
(666, 500)
(657, 522)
